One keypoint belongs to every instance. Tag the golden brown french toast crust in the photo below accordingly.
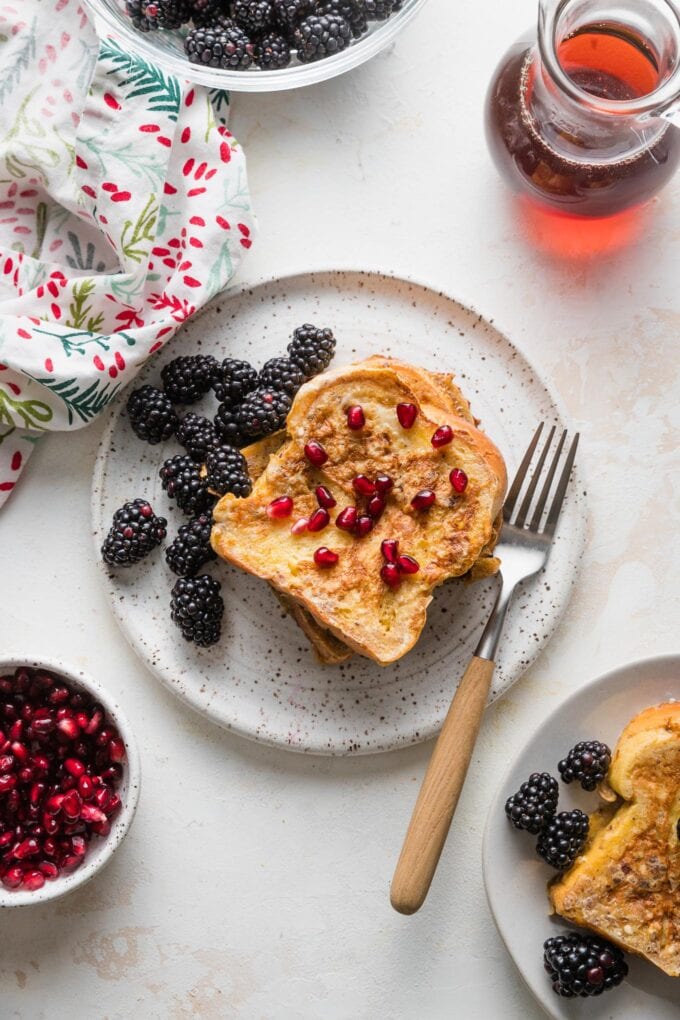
(626, 884)
(351, 600)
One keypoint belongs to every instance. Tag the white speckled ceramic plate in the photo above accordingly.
(262, 680)
(515, 877)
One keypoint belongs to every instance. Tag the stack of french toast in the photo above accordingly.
(351, 415)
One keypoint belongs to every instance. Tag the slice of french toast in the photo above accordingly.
(626, 883)
(351, 600)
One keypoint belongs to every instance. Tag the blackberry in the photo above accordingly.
(233, 379)
(379, 10)
(282, 374)
(290, 12)
(227, 471)
(272, 52)
(353, 11)
(152, 416)
(206, 12)
(588, 762)
(228, 426)
(263, 412)
(562, 839)
(222, 44)
(197, 435)
(312, 349)
(534, 804)
(253, 16)
(583, 965)
(188, 378)
(181, 479)
(134, 532)
(148, 15)
(191, 549)
(319, 36)
(196, 607)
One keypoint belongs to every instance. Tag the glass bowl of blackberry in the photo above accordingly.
(254, 45)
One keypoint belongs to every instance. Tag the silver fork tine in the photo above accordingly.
(558, 498)
(545, 491)
(514, 491)
(531, 488)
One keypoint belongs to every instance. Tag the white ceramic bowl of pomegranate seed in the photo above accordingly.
(69, 779)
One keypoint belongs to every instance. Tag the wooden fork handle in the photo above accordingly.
(441, 789)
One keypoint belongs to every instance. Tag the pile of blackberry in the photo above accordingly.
(241, 34)
(578, 965)
(252, 405)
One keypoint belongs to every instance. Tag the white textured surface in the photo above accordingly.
(254, 883)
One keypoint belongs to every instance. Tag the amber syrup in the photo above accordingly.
(607, 62)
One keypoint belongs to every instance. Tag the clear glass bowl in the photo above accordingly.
(167, 50)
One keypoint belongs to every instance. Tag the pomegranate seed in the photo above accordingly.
(113, 805)
(49, 847)
(16, 730)
(33, 880)
(74, 767)
(364, 486)
(86, 787)
(95, 722)
(6, 763)
(103, 797)
(299, 526)
(41, 763)
(375, 507)
(64, 713)
(356, 419)
(113, 772)
(423, 500)
(13, 877)
(458, 480)
(6, 839)
(442, 436)
(90, 813)
(280, 507)
(19, 751)
(49, 870)
(70, 862)
(71, 805)
(364, 525)
(407, 414)
(50, 824)
(390, 575)
(324, 497)
(54, 803)
(116, 749)
(82, 719)
(347, 518)
(58, 695)
(69, 727)
(7, 783)
(407, 565)
(324, 557)
(315, 453)
(384, 484)
(26, 775)
(390, 549)
(101, 828)
(37, 793)
(318, 520)
(78, 846)
(103, 737)
(27, 848)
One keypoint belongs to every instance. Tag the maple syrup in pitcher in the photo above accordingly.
(579, 119)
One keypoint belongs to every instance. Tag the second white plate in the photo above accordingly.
(262, 680)
(516, 878)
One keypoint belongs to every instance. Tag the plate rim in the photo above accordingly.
(241, 289)
(625, 666)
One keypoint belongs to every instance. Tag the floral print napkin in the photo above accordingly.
(124, 208)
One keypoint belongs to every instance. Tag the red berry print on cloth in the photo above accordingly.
(151, 218)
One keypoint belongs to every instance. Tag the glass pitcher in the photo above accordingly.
(578, 117)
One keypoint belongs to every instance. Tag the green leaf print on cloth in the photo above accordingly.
(124, 207)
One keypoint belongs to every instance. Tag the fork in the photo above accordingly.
(523, 550)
